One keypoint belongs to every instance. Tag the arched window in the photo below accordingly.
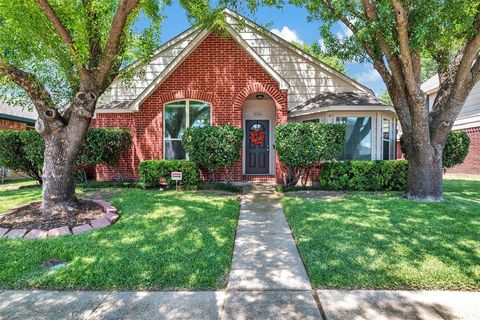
(178, 116)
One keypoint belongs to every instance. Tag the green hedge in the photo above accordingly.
(365, 175)
(24, 150)
(152, 171)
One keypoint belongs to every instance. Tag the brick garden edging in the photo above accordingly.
(110, 216)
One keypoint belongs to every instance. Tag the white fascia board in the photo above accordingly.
(284, 85)
(296, 50)
(135, 105)
(346, 108)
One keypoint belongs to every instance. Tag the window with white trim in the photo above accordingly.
(358, 138)
(387, 143)
(178, 116)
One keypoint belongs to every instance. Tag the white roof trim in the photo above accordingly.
(135, 105)
(345, 108)
(284, 85)
(293, 48)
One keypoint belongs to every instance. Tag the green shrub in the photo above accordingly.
(153, 171)
(214, 147)
(103, 146)
(365, 175)
(301, 146)
(18, 152)
(23, 150)
(455, 150)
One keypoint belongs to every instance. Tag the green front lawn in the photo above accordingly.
(163, 240)
(368, 240)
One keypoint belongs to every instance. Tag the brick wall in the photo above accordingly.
(218, 71)
(12, 125)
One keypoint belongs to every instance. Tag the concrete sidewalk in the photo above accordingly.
(335, 304)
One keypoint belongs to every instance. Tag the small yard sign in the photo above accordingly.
(176, 176)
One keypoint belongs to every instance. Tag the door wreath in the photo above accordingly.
(257, 137)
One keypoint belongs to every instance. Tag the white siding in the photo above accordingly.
(472, 104)
(470, 114)
(306, 79)
(122, 90)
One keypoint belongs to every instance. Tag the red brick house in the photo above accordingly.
(249, 78)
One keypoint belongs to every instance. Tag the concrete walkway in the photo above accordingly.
(267, 281)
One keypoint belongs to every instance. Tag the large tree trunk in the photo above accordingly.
(425, 175)
(58, 179)
(62, 144)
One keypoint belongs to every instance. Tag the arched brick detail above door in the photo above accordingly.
(279, 96)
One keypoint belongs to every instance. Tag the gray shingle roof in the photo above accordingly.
(327, 99)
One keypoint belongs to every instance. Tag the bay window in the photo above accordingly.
(178, 116)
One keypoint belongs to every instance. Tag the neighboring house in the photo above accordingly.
(468, 120)
(249, 78)
(16, 118)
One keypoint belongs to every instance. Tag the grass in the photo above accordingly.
(381, 241)
(163, 240)
(17, 183)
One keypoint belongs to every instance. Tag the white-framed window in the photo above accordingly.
(358, 138)
(388, 140)
(177, 116)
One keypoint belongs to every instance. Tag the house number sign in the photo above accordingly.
(257, 113)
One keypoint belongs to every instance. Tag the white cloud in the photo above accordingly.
(344, 32)
(287, 34)
(369, 76)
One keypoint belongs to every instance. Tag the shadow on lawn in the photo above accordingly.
(162, 240)
(371, 241)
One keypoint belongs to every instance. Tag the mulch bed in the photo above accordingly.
(30, 217)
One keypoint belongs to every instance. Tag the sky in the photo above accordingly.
(291, 24)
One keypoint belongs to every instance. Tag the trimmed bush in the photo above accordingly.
(152, 172)
(301, 146)
(23, 150)
(214, 147)
(378, 175)
(455, 150)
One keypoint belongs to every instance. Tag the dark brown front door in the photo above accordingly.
(257, 154)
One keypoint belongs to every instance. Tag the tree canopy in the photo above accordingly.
(55, 43)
